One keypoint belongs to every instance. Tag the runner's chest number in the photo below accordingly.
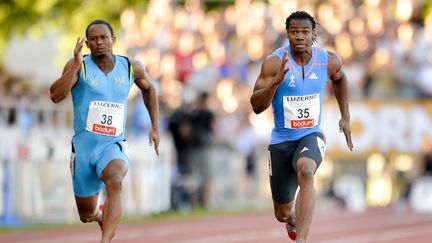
(106, 118)
(301, 111)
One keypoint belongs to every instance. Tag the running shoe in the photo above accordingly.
(291, 230)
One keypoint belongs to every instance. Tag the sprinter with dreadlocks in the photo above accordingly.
(292, 80)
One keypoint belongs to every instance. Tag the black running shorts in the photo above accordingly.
(283, 166)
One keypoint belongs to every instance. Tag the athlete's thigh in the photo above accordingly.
(115, 168)
(85, 180)
(283, 178)
(311, 146)
(114, 161)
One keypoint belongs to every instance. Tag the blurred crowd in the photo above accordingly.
(199, 50)
(215, 47)
(385, 45)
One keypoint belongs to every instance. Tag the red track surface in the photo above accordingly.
(377, 225)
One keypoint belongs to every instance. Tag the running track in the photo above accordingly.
(376, 225)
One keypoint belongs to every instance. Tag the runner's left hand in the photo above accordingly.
(154, 140)
(344, 126)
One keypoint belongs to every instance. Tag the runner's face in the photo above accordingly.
(300, 35)
(100, 40)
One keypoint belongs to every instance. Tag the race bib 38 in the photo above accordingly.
(105, 118)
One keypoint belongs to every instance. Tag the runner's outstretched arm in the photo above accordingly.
(144, 83)
(340, 87)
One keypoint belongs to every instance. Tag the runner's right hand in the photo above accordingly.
(283, 69)
(77, 51)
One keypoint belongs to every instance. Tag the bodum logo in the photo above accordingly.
(302, 123)
(104, 129)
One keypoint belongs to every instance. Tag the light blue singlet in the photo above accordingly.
(298, 100)
(100, 107)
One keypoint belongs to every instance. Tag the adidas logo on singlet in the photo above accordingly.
(313, 76)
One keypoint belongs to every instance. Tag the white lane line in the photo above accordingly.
(247, 236)
(394, 234)
(369, 222)
(82, 238)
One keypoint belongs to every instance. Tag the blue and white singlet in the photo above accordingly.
(298, 99)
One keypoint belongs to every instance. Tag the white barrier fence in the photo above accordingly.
(35, 150)
(35, 177)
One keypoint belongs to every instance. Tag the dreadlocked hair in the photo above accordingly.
(303, 15)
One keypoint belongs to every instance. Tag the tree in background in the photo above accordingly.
(38, 17)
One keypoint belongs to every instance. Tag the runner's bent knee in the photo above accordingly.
(306, 172)
(306, 169)
(114, 182)
(282, 216)
(282, 212)
(87, 217)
